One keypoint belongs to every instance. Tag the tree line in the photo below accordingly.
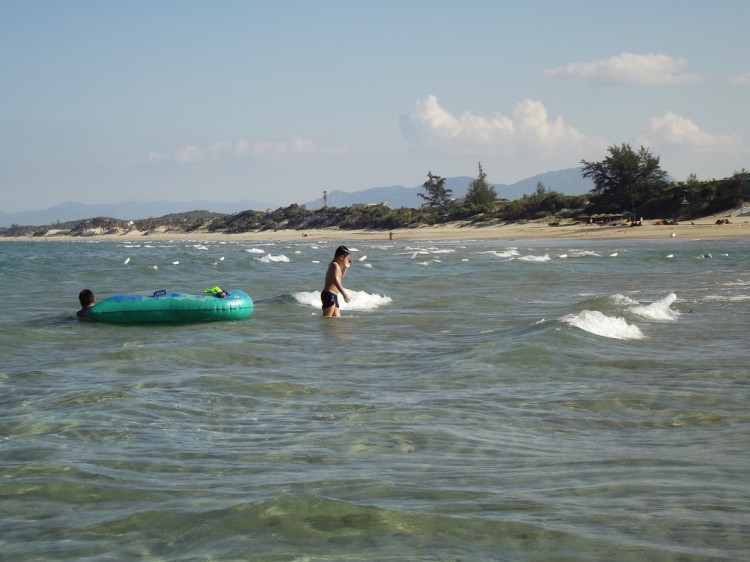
(625, 180)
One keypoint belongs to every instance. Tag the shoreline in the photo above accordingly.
(700, 229)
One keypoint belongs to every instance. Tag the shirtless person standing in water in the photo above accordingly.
(333, 288)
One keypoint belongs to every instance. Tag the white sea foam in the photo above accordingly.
(597, 323)
(127, 261)
(368, 265)
(359, 300)
(363, 258)
(543, 258)
(582, 253)
(563, 256)
(621, 300)
(727, 298)
(255, 251)
(658, 310)
(199, 247)
(509, 253)
(268, 258)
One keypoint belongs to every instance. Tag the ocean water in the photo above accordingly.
(480, 400)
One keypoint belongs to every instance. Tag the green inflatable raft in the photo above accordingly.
(163, 307)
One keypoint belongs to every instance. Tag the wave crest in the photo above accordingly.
(359, 300)
(598, 323)
(268, 258)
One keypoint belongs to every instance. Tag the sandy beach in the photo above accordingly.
(699, 229)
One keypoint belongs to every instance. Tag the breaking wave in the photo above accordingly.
(359, 300)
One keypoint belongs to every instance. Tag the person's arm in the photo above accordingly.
(337, 281)
(346, 267)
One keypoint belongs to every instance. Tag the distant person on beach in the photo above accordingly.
(87, 300)
(333, 287)
(390, 234)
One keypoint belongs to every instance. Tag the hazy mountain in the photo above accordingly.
(395, 195)
(567, 182)
(126, 211)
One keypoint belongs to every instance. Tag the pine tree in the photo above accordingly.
(437, 195)
(480, 191)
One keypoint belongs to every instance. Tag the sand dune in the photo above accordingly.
(702, 229)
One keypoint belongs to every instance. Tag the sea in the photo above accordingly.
(479, 400)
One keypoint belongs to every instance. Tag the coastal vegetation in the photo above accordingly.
(626, 181)
(480, 191)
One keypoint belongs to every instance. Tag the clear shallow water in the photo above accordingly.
(516, 406)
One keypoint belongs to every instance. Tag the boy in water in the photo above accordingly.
(87, 300)
(333, 287)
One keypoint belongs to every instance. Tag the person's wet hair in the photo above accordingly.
(341, 251)
(86, 297)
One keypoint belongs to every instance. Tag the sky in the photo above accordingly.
(277, 101)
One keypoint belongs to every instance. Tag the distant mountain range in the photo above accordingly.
(567, 182)
(125, 211)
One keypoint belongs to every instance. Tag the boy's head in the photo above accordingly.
(341, 251)
(86, 297)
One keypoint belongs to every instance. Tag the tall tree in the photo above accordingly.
(541, 190)
(437, 195)
(480, 191)
(625, 179)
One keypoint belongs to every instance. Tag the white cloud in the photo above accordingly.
(269, 149)
(278, 149)
(740, 80)
(628, 68)
(189, 154)
(529, 129)
(672, 130)
(222, 149)
(158, 157)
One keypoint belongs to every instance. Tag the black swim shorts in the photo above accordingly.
(329, 299)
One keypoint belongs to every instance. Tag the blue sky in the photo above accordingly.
(107, 102)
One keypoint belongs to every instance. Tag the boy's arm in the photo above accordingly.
(346, 267)
(337, 281)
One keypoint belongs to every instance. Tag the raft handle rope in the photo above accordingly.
(159, 293)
